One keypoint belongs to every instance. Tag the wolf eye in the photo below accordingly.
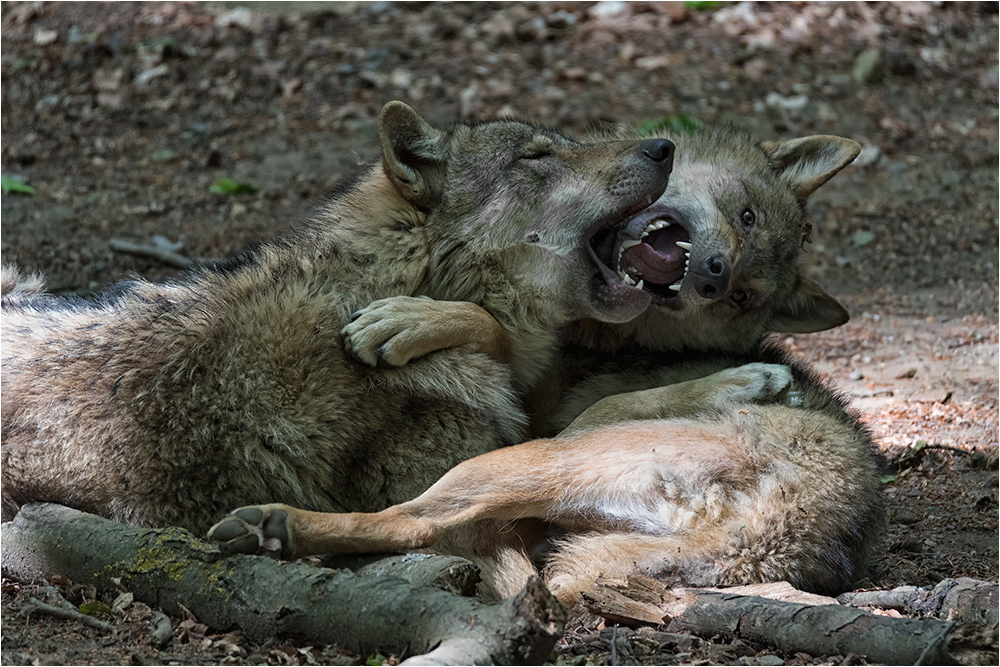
(739, 297)
(748, 217)
(534, 153)
(536, 148)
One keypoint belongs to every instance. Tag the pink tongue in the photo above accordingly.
(661, 266)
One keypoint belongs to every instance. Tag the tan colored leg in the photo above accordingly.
(614, 477)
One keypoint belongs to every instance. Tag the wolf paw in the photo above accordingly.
(751, 383)
(389, 332)
(259, 529)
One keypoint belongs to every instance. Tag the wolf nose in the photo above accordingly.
(660, 151)
(711, 277)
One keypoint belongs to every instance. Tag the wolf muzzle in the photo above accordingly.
(660, 152)
(711, 277)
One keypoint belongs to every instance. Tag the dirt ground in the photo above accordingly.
(122, 116)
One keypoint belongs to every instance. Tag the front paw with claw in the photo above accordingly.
(258, 529)
(389, 332)
(751, 383)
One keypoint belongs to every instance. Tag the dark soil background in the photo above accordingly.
(121, 117)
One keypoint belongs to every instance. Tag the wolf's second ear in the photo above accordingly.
(412, 154)
(808, 309)
(809, 162)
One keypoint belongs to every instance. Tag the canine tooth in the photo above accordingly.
(676, 287)
(684, 244)
(628, 243)
(649, 199)
(644, 235)
(628, 280)
(639, 284)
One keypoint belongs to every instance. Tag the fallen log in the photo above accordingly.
(964, 600)
(265, 598)
(795, 622)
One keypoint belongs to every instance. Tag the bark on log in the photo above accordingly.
(449, 573)
(821, 630)
(964, 600)
(265, 598)
(795, 621)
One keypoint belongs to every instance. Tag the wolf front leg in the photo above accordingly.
(396, 330)
(751, 383)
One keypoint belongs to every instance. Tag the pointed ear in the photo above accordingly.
(412, 154)
(809, 162)
(807, 310)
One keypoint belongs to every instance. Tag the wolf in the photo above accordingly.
(285, 375)
(681, 442)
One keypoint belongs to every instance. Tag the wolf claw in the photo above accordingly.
(754, 383)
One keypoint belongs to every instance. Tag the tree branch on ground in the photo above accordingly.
(797, 621)
(68, 613)
(170, 568)
(964, 600)
(163, 253)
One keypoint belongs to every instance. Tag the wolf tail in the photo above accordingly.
(17, 288)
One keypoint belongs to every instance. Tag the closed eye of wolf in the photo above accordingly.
(681, 444)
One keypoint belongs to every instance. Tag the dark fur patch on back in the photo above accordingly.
(244, 259)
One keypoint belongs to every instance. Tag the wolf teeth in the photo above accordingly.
(656, 224)
(629, 243)
(676, 287)
(639, 284)
(628, 280)
(683, 244)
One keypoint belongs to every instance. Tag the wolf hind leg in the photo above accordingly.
(658, 475)
(259, 529)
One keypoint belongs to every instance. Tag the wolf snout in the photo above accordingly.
(659, 151)
(711, 277)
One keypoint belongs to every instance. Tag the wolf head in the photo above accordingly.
(510, 210)
(718, 251)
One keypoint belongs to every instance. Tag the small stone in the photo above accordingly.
(862, 238)
(779, 101)
(869, 155)
(869, 67)
(44, 37)
(607, 9)
(905, 517)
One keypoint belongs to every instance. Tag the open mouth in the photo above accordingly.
(649, 252)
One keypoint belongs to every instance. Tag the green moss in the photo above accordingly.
(161, 553)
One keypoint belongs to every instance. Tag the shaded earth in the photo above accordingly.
(122, 117)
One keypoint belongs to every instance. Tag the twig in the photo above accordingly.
(948, 448)
(159, 253)
(69, 614)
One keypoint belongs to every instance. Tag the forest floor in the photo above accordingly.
(121, 116)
